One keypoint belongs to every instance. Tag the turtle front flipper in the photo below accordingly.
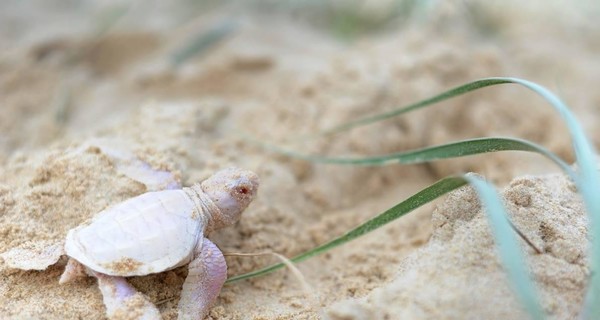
(206, 276)
(122, 301)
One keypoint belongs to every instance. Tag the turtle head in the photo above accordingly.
(231, 190)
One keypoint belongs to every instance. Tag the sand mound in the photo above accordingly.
(461, 258)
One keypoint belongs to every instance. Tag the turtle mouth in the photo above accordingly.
(245, 187)
(247, 184)
(243, 190)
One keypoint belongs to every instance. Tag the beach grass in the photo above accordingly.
(586, 178)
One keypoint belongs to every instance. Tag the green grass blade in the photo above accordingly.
(588, 184)
(109, 18)
(457, 91)
(507, 244)
(424, 196)
(588, 179)
(445, 151)
(508, 247)
(203, 42)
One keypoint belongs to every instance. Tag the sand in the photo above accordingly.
(81, 112)
(461, 258)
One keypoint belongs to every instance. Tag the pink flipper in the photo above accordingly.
(122, 301)
(206, 276)
(73, 271)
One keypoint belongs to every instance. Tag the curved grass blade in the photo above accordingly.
(588, 183)
(203, 41)
(445, 151)
(109, 18)
(422, 197)
(588, 179)
(508, 247)
(457, 91)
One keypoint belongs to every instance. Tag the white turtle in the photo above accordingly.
(151, 233)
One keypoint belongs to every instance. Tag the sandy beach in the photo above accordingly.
(89, 114)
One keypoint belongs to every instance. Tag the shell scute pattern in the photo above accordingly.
(155, 230)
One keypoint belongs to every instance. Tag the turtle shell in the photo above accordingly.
(150, 233)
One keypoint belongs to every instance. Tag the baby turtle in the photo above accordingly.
(151, 233)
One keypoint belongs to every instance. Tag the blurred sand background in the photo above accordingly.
(87, 85)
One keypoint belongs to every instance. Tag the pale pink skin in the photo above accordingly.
(207, 273)
(230, 190)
